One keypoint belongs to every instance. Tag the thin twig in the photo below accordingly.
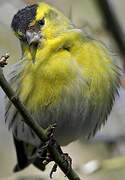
(3, 60)
(30, 1)
(40, 132)
(112, 25)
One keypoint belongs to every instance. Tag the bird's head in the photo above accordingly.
(38, 22)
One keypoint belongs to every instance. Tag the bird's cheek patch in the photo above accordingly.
(32, 23)
(15, 33)
(20, 33)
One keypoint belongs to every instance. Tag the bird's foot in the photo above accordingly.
(66, 159)
(54, 169)
(46, 157)
(50, 131)
(42, 151)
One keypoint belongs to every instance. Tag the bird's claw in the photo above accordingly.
(45, 155)
(47, 159)
(54, 169)
(50, 131)
(67, 159)
(42, 152)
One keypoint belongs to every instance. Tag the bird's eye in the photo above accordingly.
(41, 22)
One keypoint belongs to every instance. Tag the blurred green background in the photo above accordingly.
(85, 15)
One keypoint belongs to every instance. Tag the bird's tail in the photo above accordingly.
(22, 151)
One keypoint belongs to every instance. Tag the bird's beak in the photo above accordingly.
(33, 37)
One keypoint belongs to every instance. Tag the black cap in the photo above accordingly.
(23, 18)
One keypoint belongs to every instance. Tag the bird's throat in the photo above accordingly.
(33, 50)
(29, 51)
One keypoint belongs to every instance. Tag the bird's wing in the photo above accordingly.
(26, 155)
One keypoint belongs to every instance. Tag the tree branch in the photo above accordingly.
(28, 119)
(112, 25)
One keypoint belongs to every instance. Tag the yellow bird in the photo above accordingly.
(64, 77)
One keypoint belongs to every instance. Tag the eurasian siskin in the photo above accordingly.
(64, 77)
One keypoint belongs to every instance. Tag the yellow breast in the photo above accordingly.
(44, 81)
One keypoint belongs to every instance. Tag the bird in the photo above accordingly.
(65, 77)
